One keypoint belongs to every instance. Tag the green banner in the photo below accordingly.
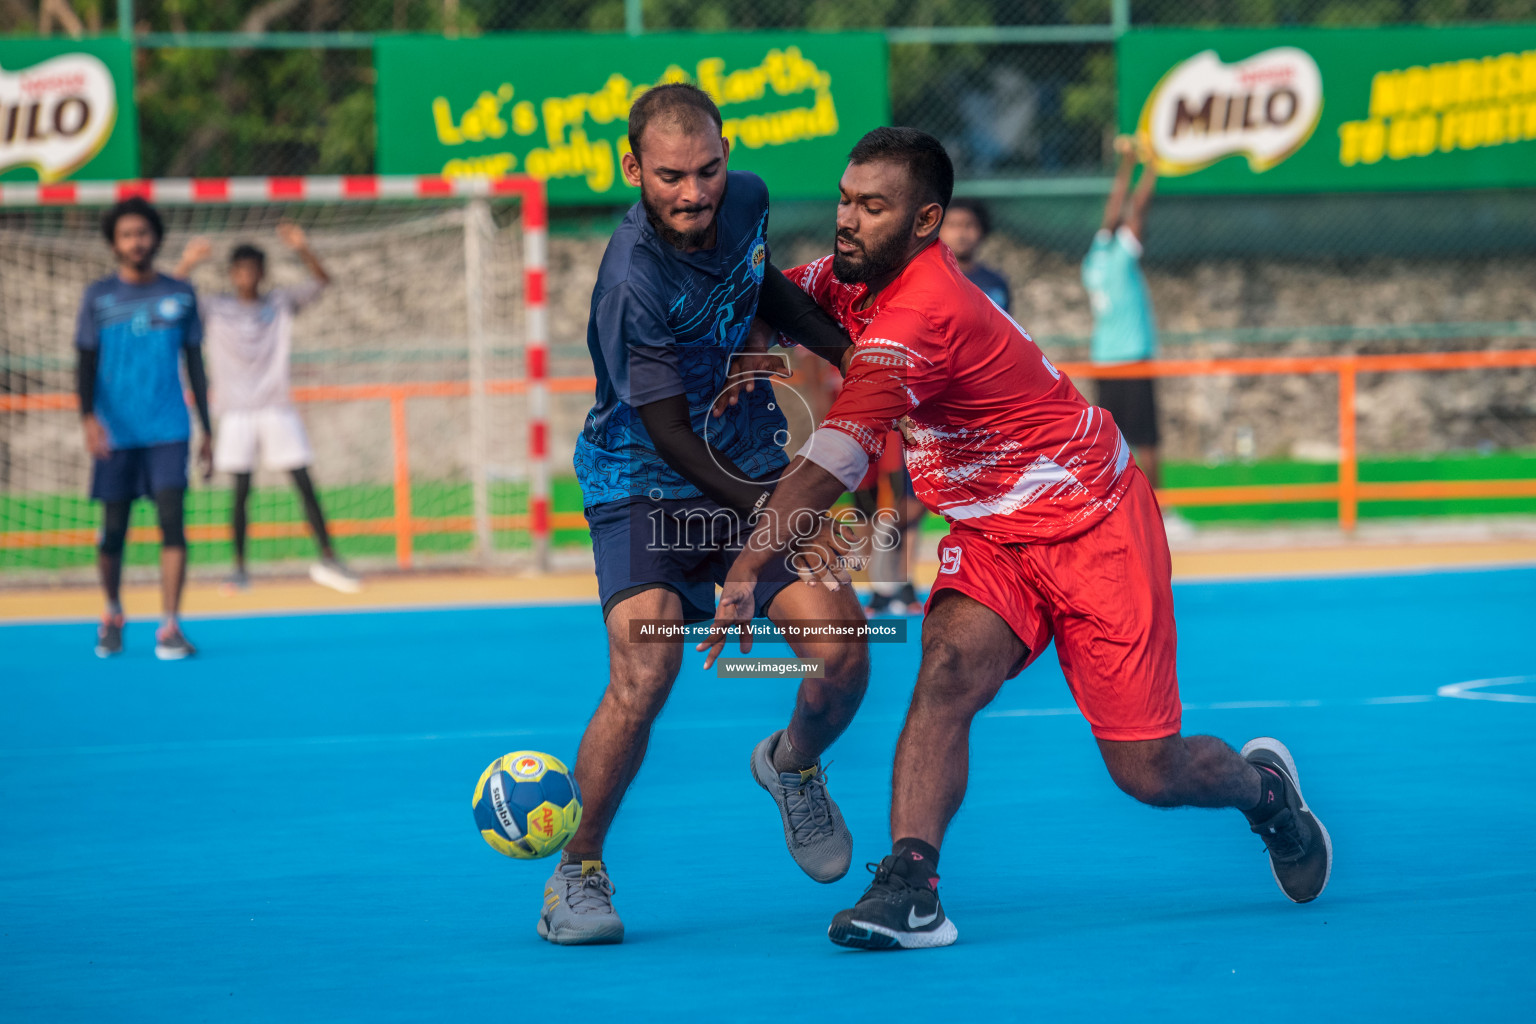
(66, 110)
(1333, 110)
(556, 106)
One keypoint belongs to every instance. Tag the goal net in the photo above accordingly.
(409, 371)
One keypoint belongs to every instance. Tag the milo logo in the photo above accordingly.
(1263, 108)
(57, 115)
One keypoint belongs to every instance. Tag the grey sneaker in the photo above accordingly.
(237, 582)
(813, 826)
(109, 636)
(328, 572)
(578, 907)
(1300, 852)
(172, 644)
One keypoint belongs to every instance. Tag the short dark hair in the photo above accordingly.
(137, 206)
(686, 106)
(247, 251)
(923, 155)
(975, 209)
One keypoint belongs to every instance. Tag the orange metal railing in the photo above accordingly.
(1348, 492)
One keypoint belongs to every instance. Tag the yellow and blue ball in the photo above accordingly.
(527, 805)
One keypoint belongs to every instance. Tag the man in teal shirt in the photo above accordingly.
(1123, 328)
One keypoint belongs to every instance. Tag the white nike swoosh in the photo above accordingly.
(913, 921)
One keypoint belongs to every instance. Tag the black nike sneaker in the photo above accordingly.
(898, 911)
(1300, 852)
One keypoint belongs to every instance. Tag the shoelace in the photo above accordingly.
(595, 888)
(809, 807)
(885, 883)
(1282, 835)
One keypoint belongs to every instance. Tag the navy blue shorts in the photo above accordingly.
(129, 473)
(686, 545)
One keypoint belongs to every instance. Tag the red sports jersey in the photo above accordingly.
(996, 437)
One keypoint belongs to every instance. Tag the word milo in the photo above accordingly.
(55, 116)
(1264, 108)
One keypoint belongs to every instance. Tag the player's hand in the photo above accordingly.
(738, 603)
(292, 235)
(197, 250)
(748, 367)
(829, 557)
(1125, 145)
(96, 441)
(205, 458)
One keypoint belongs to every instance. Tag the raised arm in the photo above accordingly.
(1142, 198)
(1112, 209)
(198, 249)
(294, 238)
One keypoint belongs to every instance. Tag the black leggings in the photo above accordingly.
(239, 522)
(170, 507)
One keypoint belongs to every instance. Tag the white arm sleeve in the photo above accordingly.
(838, 454)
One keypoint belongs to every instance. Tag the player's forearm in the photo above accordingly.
(1140, 200)
(804, 487)
(1117, 191)
(314, 266)
(197, 380)
(86, 364)
(792, 312)
(695, 460)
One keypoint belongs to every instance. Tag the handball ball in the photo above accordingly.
(527, 805)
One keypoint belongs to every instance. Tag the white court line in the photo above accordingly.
(180, 746)
(1236, 705)
(1464, 690)
(1472, 689)
(567, 602)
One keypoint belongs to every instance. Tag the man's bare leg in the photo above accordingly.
(823, 707)
(968, 652)
(640, 676)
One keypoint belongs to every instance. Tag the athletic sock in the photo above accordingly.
(787, 759)
(919, 859)
(1271, 796)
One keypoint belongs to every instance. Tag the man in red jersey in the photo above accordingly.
(1054, 533)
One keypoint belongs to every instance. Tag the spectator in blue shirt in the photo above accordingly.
(966, 225)
(134, 330)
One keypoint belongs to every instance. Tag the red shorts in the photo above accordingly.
(1104, 596)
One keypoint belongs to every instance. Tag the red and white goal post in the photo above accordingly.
(398, 331)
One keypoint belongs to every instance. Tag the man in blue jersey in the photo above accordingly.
(674, 462)
(133, 331)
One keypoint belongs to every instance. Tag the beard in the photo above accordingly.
(139, 264)
(694, 239)
(885, 257)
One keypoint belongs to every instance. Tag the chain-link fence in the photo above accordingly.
(1015, 88)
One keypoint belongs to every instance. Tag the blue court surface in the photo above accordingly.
(281, 829)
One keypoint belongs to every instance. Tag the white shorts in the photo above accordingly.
(276, 433)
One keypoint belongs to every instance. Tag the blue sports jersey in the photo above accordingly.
(139, 331)
(1123, 331)
(664, 323)
(992, 284)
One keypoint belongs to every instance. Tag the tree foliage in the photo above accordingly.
(218, 112)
